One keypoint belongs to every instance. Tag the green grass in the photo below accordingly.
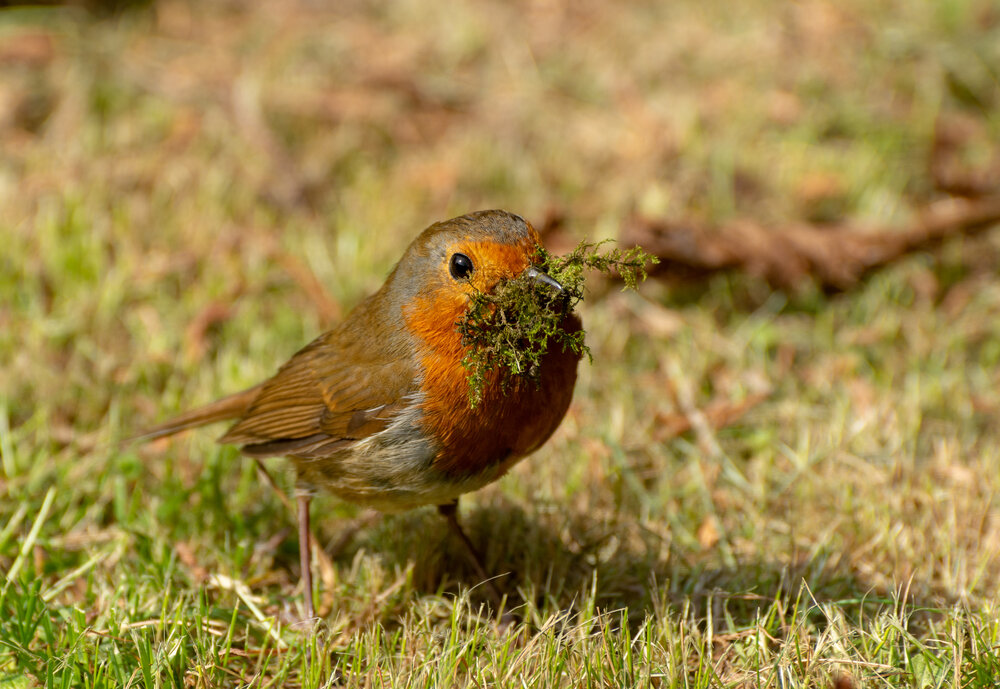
(170, 178)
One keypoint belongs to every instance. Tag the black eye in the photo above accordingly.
(460, 266)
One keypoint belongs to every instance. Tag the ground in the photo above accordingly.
(753, 487)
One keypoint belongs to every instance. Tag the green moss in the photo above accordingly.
(511, 328)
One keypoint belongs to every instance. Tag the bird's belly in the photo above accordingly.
(388, 494)
(393, 470)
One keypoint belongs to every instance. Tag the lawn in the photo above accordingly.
(753, 487)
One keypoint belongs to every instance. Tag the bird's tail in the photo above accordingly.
(227, 408)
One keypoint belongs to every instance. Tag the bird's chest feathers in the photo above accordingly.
(508, 423)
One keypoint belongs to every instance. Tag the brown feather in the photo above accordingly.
(229, 407)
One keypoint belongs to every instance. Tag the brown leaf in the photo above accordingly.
(28, 49)
(719, 413)
(708, 532)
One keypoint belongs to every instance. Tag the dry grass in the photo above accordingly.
(189, 194)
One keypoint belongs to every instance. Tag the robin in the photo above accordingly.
(377, 410)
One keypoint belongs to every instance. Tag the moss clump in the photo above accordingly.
(511, 328)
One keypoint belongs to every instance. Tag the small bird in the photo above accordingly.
(377, 411)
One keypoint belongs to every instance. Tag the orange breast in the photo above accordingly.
(507, 424)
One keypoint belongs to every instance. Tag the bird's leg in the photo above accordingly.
(305, 553)
(450, 513)
(325, 560)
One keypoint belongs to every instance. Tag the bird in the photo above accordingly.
(377, 412)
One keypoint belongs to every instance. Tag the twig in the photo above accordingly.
(836, 257)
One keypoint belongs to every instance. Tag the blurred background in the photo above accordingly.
(159, 146)
(191, 191)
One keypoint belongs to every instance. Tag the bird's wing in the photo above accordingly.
(328, 395)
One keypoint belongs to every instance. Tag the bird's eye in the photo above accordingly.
(460, 266)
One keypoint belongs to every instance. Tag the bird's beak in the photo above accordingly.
(538, 276)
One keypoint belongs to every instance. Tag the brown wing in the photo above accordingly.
(327, 396)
